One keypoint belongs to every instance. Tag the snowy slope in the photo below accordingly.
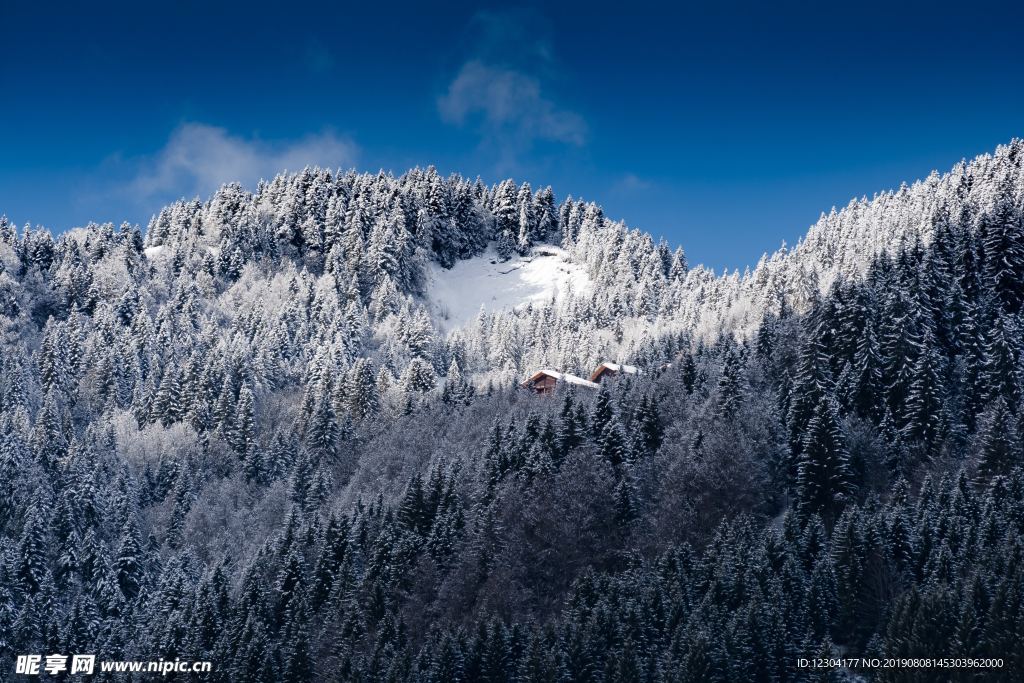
(455, 296)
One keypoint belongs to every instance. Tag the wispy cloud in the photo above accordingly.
(503, 90)
(509, 103)
(199, 158)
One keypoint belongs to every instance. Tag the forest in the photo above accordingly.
(243, 436)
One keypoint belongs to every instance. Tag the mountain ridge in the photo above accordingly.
(264, 452)
(376, 235)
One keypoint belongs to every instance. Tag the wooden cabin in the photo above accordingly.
(608, 369)
(546, 381)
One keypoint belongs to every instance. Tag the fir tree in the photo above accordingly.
(924, 417)
(32, 551)
(128, 561)
(243, 435)
(612, 443)
(730, 390)
(998, 447)
(811, 389)
(823, 484)
(1003, 235)
(361, 391)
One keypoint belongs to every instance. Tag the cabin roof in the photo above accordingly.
(613, 367)
(560, 376)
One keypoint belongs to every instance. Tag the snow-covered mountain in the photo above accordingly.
(284, 414)
(401, 267)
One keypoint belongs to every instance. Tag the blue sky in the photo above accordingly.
(724, 128)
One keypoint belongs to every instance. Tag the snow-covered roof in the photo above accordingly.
(613, 367)
(573, 379)
(616, 367)
(561, 377)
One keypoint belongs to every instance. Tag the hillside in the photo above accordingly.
(278, 432)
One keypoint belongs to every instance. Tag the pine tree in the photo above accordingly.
(495, 460)
(1003, 232)
(538, 462)
(612, 443)
(688, 373)
(418, 377)
(301, 479)
(999, 373)
(167, 408)
(183, 498)
(998, 447)
(506, 214)
(602, 413)
(254, 466)
(570, 431)
(811, 389)
(527, 219)
(457, 391)
(900, 346)
(52, 370)
(545, 215)
(32, 551)
(764, 343)
(128, 562)
(224, 413)
(298, 665)
(243, 435)
(924, 416)
(361, 390)
(625, 501)
(412, 511)
(289, 585)
(867, 374)
(647, 424)
(730, 390)
(322, 432)
(823, 484)
(48, 438)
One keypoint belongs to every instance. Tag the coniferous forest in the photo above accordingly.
(241, 435)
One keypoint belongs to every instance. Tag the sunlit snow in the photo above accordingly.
(154, 252)
(457, 295)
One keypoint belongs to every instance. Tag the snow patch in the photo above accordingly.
(456, 296)
(154, 252)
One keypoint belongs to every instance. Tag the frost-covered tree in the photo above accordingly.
(823, 483)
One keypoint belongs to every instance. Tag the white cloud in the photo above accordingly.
(199, 158)
(511, 107)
